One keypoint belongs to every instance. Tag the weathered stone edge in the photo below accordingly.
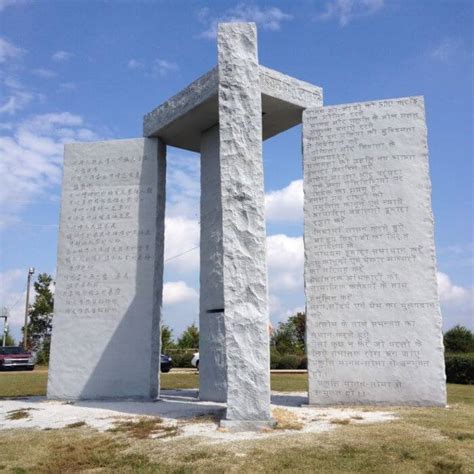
(294, 91)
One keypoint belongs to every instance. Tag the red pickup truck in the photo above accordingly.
(12, 357)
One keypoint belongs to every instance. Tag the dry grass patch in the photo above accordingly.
(18, 414)
(144, 428)
(205, 418)
(61, 451)
(286, 419)
(77, 424)
(340, 421)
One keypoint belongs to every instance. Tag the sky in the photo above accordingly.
(80, 71)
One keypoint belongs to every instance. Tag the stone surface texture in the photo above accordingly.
(243, 221)
(373, 317)
(182, 119)
(212, 364)
(105, 341)
(289, 89)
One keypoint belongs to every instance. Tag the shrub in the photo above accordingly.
(42, 357)
(289, 361)
(459, 339)
(303, 363)
(460, 368)
(181, 359)
(275, 359)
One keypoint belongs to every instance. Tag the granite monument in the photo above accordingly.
(373, 320)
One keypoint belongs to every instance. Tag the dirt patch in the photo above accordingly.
(20, 414)
(286, 419)
(145, 427)
(342, 421)
(78, 424)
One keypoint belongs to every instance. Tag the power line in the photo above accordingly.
(17, 301)
(182, 253)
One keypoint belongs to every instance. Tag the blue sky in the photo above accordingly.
(76, 71)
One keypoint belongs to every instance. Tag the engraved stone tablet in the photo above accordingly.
(373, 318)
(106, 339)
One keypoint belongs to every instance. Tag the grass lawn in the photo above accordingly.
(22, 384)
(421, 440)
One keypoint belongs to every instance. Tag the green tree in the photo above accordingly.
(41, 313)
(283, 339)
(298, 321)
(289, 337)
(190, 338)
(167, 340)
(459, 339)
(42, 357)
(9, 341)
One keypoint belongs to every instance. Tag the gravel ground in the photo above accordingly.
(178, 408)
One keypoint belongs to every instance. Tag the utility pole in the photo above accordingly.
(31, 271)
(4, 315)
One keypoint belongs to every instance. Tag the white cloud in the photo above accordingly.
(457, 303)
(344, 11)
(32, 159)
(183, 185)
(450, 293)
(157, 68)
(161, 67)
(68, 86)
(181, 244)
(285, 204)
(445, 50)
(135, 64)
(17, 96)
(11, 3)
(44, 73)
(17, 101)
(268, 18)
(285, 260)
(61, 56)
(176, 292)
(9, 50)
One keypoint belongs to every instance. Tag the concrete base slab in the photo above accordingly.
(247, 425)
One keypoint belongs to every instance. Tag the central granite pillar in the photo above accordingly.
(247, 354)
(212, 364)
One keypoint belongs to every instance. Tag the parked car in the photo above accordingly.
(166, 363)
(12, 357)
(195, 360)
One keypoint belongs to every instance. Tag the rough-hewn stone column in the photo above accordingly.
(106, 338)
(243, 222)
(212, 365)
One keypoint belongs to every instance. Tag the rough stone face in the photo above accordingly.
(373, 318)
(106, 340)
(212, 365)
(243, 221)
(182, 119)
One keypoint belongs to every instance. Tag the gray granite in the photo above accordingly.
(373, 317)
(182, 119)
(212, 364)
(105, 341)
(243, 222)
(239, 426)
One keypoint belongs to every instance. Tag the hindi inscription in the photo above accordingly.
(373, 318)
